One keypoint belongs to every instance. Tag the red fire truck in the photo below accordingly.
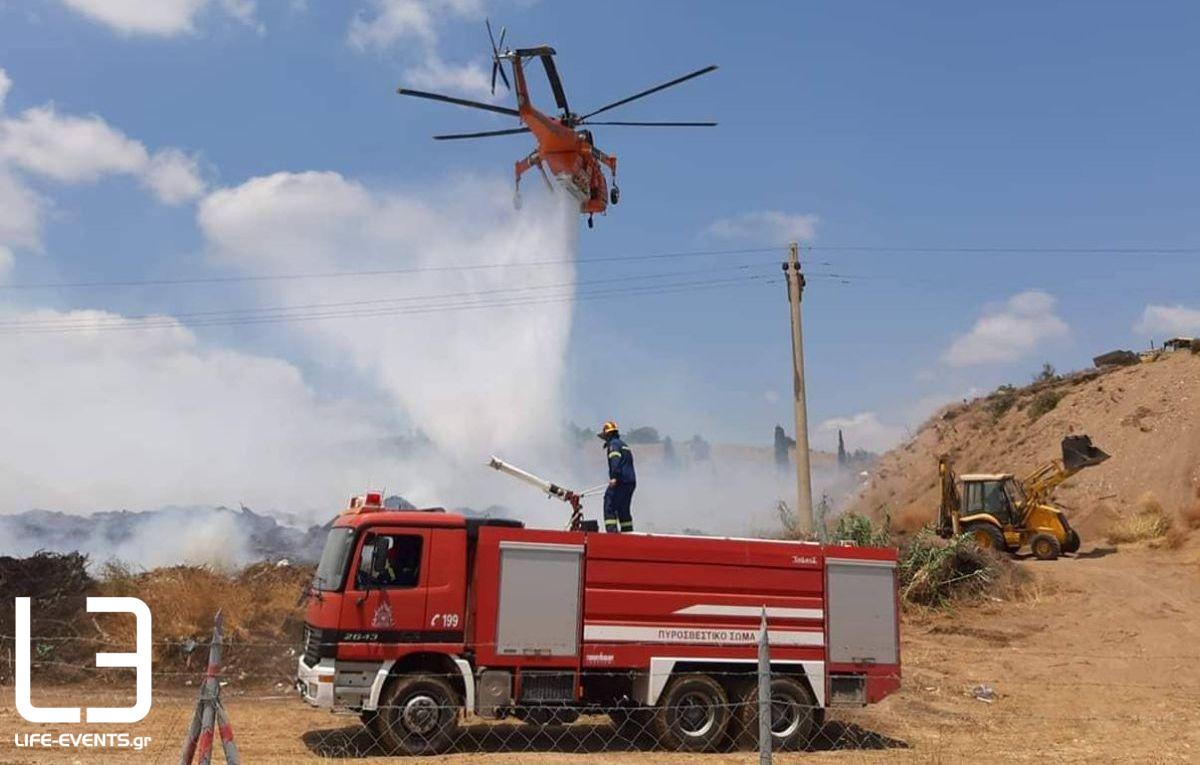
(417, 619)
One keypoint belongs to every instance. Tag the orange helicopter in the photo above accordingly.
(564, 142)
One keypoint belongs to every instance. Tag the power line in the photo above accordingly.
(233, 279)
(169, 322)
(405, 300)
(584, 261)
(1142, 250)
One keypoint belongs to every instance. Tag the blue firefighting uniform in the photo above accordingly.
(618, 497)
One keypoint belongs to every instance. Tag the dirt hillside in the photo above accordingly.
(1146, 416)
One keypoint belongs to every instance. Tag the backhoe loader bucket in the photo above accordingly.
(1078, 453)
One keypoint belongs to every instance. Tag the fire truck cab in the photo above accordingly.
(417, 620)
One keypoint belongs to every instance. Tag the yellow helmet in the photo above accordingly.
(607, 429)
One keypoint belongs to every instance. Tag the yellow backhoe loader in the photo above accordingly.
(1003, 513)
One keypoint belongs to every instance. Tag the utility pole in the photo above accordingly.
(804, 506)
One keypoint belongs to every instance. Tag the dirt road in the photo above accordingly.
(1101, 664)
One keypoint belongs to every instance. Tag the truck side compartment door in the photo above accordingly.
(446, 585)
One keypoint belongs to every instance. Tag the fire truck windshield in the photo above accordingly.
(332, 568)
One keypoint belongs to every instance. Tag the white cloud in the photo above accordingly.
(5, 86)
(1169, 320)
(415, 24)
(73, 150)
(111, 416)
(435, 74)
(20, 213)
(6, 262)
(67, 148)
(1023, 324)
(767, 226)
(174, 177)
(414, 20)
(160, 18)
(863, 430)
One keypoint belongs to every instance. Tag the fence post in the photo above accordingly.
(210, 713)
(764, 693)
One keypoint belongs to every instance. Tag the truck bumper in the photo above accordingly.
(315, 683)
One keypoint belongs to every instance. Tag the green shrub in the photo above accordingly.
(1001, 400)
(1044, 402)
(863, 531)
(936, 571)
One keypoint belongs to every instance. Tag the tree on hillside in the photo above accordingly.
(782, 444)
(1047, 374)
(670, 459)
(579, 435)
(643, 435)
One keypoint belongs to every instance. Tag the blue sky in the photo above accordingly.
(956, 127)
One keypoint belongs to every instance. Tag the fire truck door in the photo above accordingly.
(385, 602)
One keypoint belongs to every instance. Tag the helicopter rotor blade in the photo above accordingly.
(496, 48)
(486, 134)
(655, 124)
(499, 65)
(459, 101)
(645, 93)
(560, 96)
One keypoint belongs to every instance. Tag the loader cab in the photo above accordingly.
(994, 494)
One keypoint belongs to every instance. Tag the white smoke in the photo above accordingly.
(171, 536)
(474, 380)
(113, 415)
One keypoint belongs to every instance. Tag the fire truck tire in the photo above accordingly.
(692, 714)
(1044, 547)
(795, 717)
(1073, 542)
(987, 536)
(417, 715)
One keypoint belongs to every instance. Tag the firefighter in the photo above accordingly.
(622, 480)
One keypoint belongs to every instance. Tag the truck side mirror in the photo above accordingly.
(367, 561)
(380, 546)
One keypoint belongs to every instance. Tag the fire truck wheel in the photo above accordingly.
(794, 715)
(1072, 544)
(418, 715)
(692, 714)
(1044, 546)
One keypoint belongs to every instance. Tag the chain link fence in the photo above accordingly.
(700, 716)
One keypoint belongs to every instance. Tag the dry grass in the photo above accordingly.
(912, 519)
(1150, 521)
(259, 603)
(1186, 521)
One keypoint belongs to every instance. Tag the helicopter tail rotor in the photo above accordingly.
(496, 48)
